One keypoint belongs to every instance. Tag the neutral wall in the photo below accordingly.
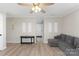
(47, 34)
(14, 28)
(70, 24)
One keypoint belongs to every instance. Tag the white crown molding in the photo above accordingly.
(44, 16)
(70, 11)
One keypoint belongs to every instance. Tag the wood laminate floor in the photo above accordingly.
(31, 50)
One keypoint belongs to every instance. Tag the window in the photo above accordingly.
(55, 27)
(23, 27)
(29, 27)
(50, 27)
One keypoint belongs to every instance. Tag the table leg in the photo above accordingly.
(31, 40)
(21, 40)
(34, 40)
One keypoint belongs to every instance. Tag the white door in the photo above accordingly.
(2, 32)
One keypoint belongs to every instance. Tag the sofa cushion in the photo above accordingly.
(76, 42)
(70, 40)
(57, 37)
(62, 37)
(63, 45)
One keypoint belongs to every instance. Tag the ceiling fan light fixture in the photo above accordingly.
(39, 9)
(33, 8)
(36, 9)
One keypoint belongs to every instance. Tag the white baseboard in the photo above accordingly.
(3, 48)
(12, 42)
(45, 41)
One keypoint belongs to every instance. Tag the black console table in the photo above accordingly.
(38, 37)
(32, 38)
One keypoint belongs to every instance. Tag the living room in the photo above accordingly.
(19, 25)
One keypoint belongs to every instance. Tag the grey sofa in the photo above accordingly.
(53, 42)
(67, 44)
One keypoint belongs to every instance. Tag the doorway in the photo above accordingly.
(40, 31)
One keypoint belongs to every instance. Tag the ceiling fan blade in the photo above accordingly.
(25, 4)
(36, 4)
(41, 5)
(43, 11)
(48, 4)
(45, 5)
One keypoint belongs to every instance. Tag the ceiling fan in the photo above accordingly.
(36, 7)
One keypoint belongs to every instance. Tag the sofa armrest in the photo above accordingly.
(53, 42)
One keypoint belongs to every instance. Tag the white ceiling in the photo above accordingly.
(57, 10)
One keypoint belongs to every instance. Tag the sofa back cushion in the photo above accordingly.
(76, 42)
(62, 37)
(70, 40)
(57, 37)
